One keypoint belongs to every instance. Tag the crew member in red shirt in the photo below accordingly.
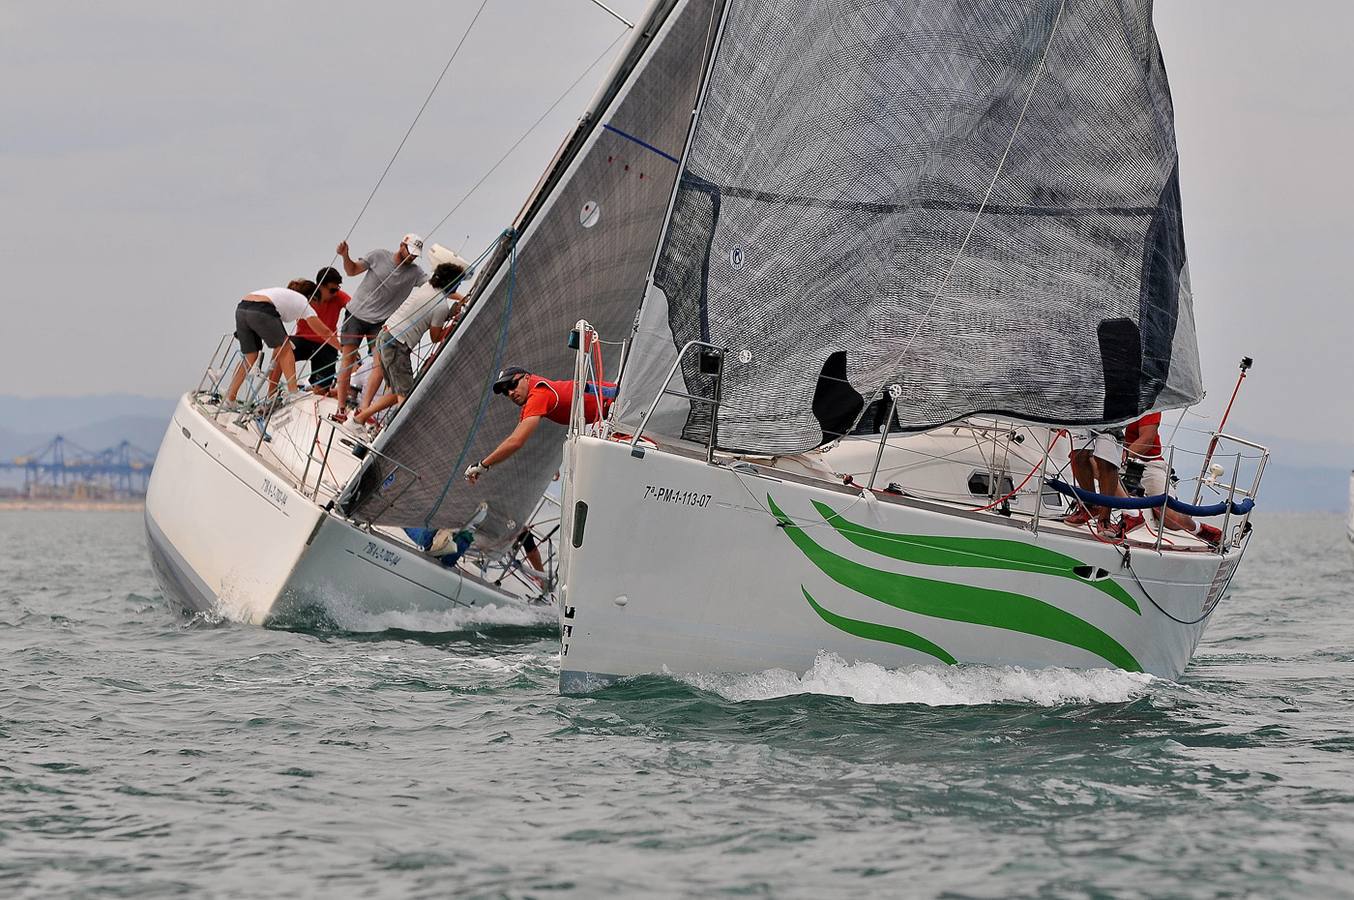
(540, 398)
(306, 344)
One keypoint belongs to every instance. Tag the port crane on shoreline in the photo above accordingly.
(63, 469)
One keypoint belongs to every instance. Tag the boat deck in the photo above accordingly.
(821, 473)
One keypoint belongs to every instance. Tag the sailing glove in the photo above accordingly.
(475, 471)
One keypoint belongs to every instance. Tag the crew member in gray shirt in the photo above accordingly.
(389, 279)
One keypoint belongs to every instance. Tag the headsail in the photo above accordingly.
(581, 249)
(975, 199)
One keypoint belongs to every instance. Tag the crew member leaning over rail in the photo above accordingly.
(540, 398)
(260, 319)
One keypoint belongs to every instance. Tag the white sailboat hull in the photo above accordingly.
(231, 536)
(671, 564)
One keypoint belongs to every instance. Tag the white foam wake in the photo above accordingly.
(352, 619)
(931, 686)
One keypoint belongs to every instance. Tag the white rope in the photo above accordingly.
(417, 116)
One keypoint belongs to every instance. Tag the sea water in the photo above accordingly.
(146, 754)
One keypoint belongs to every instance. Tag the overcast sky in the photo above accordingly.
(158, 160)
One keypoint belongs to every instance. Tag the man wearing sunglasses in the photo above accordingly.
(540, 398)
(328, 302)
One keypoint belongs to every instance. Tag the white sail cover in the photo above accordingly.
(583, 247)
(843, 152)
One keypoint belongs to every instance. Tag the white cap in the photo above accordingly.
(413, 243)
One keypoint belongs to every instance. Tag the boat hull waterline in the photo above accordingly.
(674, 565)
(231, 537)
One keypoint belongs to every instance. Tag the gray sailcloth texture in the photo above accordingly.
(842, 153)
(568, 266)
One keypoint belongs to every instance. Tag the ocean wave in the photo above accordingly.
(347, 618)
(930, 686)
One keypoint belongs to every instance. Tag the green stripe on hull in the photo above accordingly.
(960, 602)
(873, 632)
(978, 553)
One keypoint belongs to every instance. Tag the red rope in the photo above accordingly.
(1037, 467)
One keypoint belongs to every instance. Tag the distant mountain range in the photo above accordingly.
(92, 423)
(1304, 476)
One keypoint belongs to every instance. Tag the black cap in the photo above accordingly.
(507, 378)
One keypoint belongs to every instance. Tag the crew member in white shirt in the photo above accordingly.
(261, 319)
(427, 310)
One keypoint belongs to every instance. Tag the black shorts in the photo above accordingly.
(323, 359)
(257, 323)
(354, 330)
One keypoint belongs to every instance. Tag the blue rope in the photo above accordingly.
(487, 393)
(645, 144)
(1092, 498)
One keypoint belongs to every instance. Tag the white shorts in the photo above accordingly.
(1154, 479)
(1103, 445)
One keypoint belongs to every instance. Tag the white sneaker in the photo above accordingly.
(481, 513)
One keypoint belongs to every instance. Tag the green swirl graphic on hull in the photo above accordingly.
(976, 553)
(875, 632)
(943, 599)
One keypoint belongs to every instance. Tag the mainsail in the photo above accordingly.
(580, 249)
(977, 200)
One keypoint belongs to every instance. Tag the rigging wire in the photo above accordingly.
(611, 12)
(381, 180)
(493, 168)
(502, 159)
(417, 116)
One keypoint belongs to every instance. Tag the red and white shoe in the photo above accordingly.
(1209, 534)
(1110, 531)
(1077, 518)
(1129, 523)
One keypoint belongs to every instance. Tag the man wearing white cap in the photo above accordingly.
(389, 279)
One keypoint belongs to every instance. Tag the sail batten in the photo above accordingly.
(975, 199)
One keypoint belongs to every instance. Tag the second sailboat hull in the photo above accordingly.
(671, 564)
(233, 537)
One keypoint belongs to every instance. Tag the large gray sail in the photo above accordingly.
(581, 249)
(975, 199)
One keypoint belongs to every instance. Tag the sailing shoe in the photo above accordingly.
(1110, 531)
(1077, 518)
(1210, 534)
(1129, 523)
